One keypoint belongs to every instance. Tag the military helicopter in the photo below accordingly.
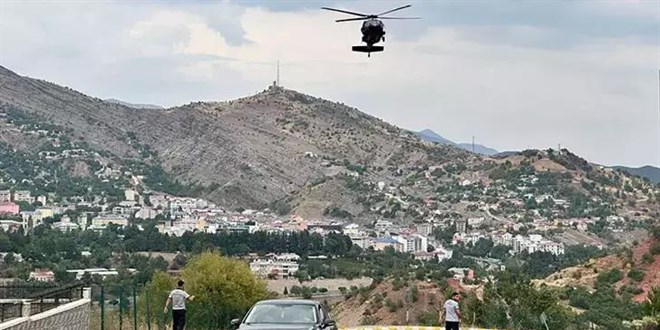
(373, 29)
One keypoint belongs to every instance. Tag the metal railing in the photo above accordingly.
(40, 297)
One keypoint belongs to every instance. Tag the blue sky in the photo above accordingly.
(515, 74)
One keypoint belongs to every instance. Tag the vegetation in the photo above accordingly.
(224, 289)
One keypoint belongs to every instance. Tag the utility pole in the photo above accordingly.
(472, 143)
(278, 73)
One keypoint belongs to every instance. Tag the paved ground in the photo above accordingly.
(331, 284)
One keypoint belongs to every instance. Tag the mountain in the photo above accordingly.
(292, 153)
(249, 152)
(649, 172)
(429, 135)
(133, 105)
(478, 148)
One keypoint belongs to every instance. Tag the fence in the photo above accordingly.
(40, 297)
(129, 307)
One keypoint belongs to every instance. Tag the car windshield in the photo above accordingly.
(282, 313)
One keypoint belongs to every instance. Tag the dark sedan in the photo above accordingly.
(285, 314)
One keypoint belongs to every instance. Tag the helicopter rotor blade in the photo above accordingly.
(399, 17)
(344, 11)
(352, 19)
(393, 10)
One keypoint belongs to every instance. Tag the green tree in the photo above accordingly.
(153, 298)
(224, 289)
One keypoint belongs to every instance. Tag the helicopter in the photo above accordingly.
(373, 29)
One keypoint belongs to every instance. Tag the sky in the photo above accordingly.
(513, 74)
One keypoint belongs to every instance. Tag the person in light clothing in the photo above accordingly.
(451, 312)
(177, 299)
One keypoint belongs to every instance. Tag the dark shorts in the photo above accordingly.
(179, 319)
(451, 325)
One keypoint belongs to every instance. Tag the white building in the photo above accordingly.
(283, 265)
(65, 225)
(414, 243)
(130, 195)
(351, 230)
(382, 225)
(102, 221)
(42, 275)
(23, 196)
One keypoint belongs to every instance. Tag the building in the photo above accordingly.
(277, 266)
(382, 225)
(425, 229)
(352, 230)
(103, 221)
(9, 208)
(461, 225)
(23, 196)
(387, 241)
(42, 275)
(65, 225)
(130, 195)
(5, 196)
(42, 199)
(146, 213)
(439, 254)
(363, 242)
(413, 243)
(102, 272)
(159, 201)
(10, 226)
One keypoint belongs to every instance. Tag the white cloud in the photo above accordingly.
(598, 99)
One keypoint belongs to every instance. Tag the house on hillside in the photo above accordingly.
(42, 275)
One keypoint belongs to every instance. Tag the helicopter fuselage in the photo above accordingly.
(373, 32)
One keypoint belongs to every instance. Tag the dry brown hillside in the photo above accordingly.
(640, 258)
(387, 304)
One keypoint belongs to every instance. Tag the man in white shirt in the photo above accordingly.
(451, 312)
(178, 299)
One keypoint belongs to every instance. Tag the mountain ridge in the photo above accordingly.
(298, 154)
(230, 144)
(429, 135)
(134, 105)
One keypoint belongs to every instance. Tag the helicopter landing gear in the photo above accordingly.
(368, 54)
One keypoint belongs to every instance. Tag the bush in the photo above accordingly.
(610, 277)
(636, 275)
(648, 258)
(655, 249)
(429, 318)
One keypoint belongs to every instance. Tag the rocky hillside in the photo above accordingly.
(298, 154)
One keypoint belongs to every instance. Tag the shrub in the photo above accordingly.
(636, 275)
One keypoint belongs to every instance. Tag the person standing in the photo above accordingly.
(177, 299)
(451, 312)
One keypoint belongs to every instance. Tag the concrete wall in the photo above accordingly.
(72, 316)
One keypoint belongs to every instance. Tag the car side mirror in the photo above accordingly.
(235, 322)
(329, 323)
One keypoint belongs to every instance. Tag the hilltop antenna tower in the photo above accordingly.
(278, 73)
(472, 143)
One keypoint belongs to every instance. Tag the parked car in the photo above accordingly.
(286, 314)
